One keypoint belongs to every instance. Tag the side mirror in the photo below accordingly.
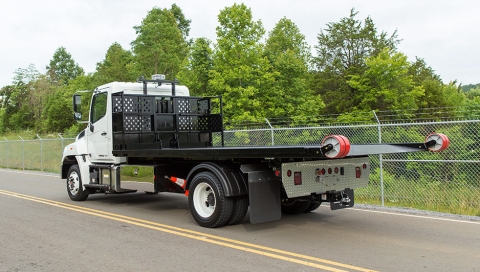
(77, 102)
(77, 106)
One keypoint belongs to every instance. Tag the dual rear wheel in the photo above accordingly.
(210, 207)
(294, 206)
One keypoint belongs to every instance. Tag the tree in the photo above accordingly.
(62, 67)
(342, 50)
(240, 72)
(472, 93)
(58, 113)
(284, 37)
(437, 94)
(385, 84)
(290, 56)
(159, 47)
(182, 23)
(18, 112)
(116, 66)
(197, 66)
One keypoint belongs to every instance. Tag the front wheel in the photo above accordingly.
(208, 204)
(74, 184)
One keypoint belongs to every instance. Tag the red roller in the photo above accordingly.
(441, 141)
(340, 143)
(347, 145)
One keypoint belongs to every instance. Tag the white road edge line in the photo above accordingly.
(29, 173)
(419, 216)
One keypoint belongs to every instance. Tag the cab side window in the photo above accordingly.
(99, 107)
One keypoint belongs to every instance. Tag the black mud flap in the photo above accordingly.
(346, 202)
(264, 194)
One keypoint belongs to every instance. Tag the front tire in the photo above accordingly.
(74, 184)
(208, 204)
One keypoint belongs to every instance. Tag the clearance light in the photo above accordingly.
(289, 173)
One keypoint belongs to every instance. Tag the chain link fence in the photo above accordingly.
(42, 153)
(447, 181)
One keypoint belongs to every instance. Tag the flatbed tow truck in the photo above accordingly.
(157, 123)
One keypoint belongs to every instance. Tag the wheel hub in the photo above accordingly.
(210, 200)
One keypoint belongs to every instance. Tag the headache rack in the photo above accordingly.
(145, 121)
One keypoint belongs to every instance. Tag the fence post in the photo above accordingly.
(6, 152)
(381, 159)
(41, 153)
(23, 153)
(271, 131)
(60, 135)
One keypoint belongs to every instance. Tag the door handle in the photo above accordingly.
(104, 133)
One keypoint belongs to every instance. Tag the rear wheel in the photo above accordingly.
(293, 206)
(74, 184)
(208, 204)
(313, 206)
(240, 208)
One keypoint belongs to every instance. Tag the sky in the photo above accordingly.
(445, 33)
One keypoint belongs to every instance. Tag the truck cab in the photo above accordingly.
(93, 146)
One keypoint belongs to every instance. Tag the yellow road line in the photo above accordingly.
(205, 237)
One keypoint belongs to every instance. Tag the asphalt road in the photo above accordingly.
(42, 230)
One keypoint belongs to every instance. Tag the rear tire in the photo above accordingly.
(240, 208)
(208, 204)
(313, 206)
(292, 206)
(74, 184)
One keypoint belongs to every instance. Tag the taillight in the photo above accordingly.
(297, 178)
(358, 172)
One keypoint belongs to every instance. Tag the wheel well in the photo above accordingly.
(229, 176)
(67, 163)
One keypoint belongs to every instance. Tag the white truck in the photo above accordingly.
(157, 123)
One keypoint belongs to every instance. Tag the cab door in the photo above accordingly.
(99, 141)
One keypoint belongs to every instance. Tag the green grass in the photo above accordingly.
(439, 197)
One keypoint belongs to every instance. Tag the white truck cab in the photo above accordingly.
(94, 145)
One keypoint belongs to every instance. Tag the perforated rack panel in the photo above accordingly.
(157, 122)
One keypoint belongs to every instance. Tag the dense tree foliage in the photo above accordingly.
(290, 56)
(160, 46)
(385, 84)
(195, 71)
(241, 74)
(259, 75)
(117, 65)
(62, 67)
(342, 50)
